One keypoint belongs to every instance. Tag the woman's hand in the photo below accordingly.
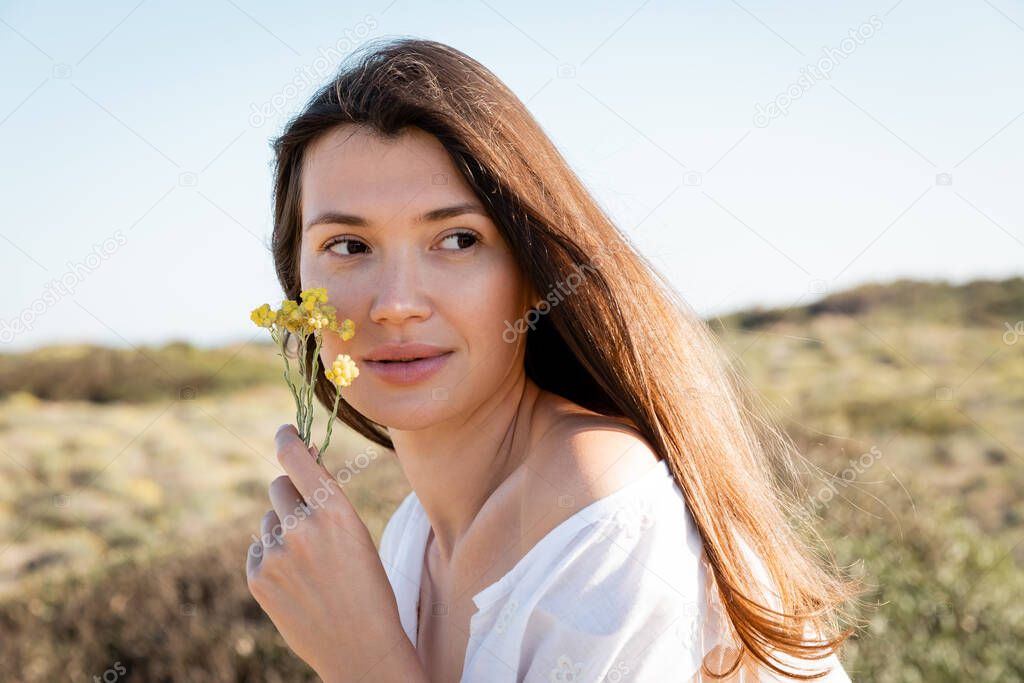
(317, 575)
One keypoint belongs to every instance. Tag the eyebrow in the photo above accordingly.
(443, 213)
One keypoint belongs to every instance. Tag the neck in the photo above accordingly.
(456, 465)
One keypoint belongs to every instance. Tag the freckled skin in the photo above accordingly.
(408, 281)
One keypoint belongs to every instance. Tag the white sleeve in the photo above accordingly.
(628, 606)
(616, 610)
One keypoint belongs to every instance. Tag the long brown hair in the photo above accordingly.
(623, 344)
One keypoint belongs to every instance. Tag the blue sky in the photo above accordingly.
(136, 173)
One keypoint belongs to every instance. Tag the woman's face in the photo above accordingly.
(403, 276)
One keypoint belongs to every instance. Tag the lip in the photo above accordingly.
(408, 372)
(404, 351)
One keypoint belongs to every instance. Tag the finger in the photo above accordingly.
(258, 546)
(253, 556)
(287, 501)
(270, 531)
(301, 467)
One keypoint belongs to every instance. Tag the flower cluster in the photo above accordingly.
(343, 371)
(310, 316)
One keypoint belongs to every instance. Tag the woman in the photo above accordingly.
(593, 498)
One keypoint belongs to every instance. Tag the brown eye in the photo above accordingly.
(461, 240)
(352, 246)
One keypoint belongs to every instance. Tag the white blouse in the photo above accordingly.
(619, 591)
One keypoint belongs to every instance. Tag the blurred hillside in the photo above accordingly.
(980, 303)
(131, 480)
(103, 375)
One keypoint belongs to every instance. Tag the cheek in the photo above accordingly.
(342, 292)
(486, 304)
(308, 275)
(314, 273)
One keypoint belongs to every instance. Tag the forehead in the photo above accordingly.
(353, 169)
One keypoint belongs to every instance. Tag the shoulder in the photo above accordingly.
(578, 458)
(584, 455)
(635, 545)
(626, 594)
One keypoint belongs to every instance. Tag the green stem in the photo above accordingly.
(330, 425)
(306, 407)
(279, 339)
(305, 393)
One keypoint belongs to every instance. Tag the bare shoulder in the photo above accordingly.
(582, 456)
(575, 457)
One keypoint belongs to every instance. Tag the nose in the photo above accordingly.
(400, 296)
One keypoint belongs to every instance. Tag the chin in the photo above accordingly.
(406, 409)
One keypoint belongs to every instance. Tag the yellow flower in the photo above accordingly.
(292, 318)
(314, 295)
(316, 320)
(263, 316)
(342, 371)
(309, 315)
